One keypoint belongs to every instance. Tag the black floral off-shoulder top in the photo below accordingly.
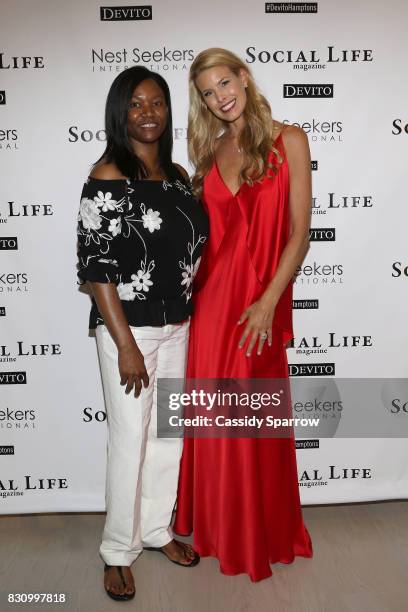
(146, 237)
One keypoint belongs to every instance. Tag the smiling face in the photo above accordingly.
(147, 115)
(223, 91)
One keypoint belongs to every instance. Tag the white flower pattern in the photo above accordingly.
(151, 220)
(115, 226)
(103, 220)
(105, 201)
(141, 280)
(89, 215)
(125, 291)
(189, 273)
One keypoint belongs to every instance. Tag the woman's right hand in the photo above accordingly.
(132, 369)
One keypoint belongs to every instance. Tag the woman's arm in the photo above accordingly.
(102, 206)
(259, 316)
(131, 364)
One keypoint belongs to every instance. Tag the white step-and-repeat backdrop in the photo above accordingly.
(338, 69)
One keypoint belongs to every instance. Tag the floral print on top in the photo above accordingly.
(146, 237)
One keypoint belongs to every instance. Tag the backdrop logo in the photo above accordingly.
(307, 90)
(322, 234)
(319, 274)
(13, 282)
(320, 131)
(399, 269)
(314, 164)
(304, 444)
(399, 406)
(2, 311)
(8, 243)
(8, 139)
(290, 7)
(24, 61)
(17, 419)
(2, 96)
(334, 202)
(308, 59)
(15, 209)
(162, 58)
(316, 345)
(315, 477)
(305, 304)
(398, 127)
(126, 13)
(11, 487)
(312, 369)
(22, 349)
(90, 415)
(6, 450)
(77, 134)
(13, 378)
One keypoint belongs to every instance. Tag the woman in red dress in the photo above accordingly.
(240, 496)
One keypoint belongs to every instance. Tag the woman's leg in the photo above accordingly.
(162, 458)
(128, 421)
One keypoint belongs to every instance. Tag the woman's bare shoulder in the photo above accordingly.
(293, 137)
(106, 171)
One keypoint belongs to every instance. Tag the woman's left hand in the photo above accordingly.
(259, 317)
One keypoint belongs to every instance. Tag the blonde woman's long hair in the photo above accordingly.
(256, 139)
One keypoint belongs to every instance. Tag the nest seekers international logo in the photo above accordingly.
(2, 96)
(16, 488)
(309, 59)
(8, 243)
(8, 139)
(399, 126)
(316, 345)
(13, 282)
(10, 353)
(319, 274)
(12, 210)
(159, 59)
(23, 62)
(79, 134)
(399, 269)
(308, 90)
(333, 201)
(126, 13)
(290, 7)
(322, 234)
(18, 420)
(320, 131)
(314, 477)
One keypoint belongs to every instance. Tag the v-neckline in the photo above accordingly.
(234, 195)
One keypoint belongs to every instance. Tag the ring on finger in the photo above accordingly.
(263, 335)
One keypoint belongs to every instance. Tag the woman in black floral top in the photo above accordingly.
(140, 237)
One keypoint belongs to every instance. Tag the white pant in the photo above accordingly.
(142, 469)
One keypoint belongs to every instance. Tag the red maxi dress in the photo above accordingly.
(240, 496)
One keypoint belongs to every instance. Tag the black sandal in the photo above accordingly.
(193, 562)
(116, 596)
